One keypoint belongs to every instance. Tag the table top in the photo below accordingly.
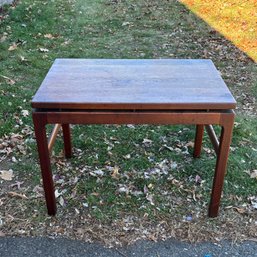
(129, 84)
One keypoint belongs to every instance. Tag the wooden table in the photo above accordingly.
(163, 91)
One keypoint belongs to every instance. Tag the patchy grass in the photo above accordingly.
(123, 183)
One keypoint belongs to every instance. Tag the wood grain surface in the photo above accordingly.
(142, 84)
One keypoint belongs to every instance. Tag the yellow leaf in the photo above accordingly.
(115, 173)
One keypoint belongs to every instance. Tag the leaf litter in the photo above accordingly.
(127, 228)
(180, 213)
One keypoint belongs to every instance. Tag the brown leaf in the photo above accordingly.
(240, 210)
(190, 144)
(153, 238)
(14, 194)
(115, 173)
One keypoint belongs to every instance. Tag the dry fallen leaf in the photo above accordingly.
(123, 189)
(168, 147)
(125, 23)
(6, 174)
(96, 173)
(25, 113)
(61, 201)
(50, 36)
(190, 144)
(57, 193)
(17, 184)
(14, 194)
(253, 200)
(67, 42)
(12, 47)
(253, 174)
(43, 50)
(127, 156)
(147, 141)
(8, 80)
(23, 59)
(240, 210)
(149, 197)
(115, 173)
(3, 38)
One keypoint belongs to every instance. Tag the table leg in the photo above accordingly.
(221, 164)
(39, 120)
(198, 140)
(67, 140)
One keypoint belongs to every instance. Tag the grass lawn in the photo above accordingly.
(124, 182)
(236, 20)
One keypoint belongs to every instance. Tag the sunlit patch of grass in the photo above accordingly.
(236, 20)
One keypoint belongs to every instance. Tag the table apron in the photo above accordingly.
(162, 118)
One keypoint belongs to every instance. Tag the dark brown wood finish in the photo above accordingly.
(213, 137)
(40, 121)
(134, 91)
(198, 140)
(66, 140)
(53, 137)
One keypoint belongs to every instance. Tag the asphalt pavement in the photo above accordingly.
(61, 247)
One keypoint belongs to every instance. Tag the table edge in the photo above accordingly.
(135, 106)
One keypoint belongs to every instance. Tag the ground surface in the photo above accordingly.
(46, 247)
(124, 183)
